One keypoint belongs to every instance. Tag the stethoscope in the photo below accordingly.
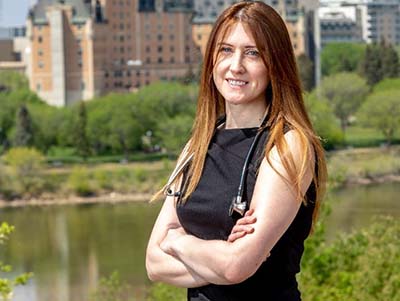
(238, 205)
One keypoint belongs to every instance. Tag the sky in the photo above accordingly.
(14, 12)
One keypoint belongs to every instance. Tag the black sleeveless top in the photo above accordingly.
(205, 215)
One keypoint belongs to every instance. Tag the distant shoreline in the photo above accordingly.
(110, 198)
(117, 198)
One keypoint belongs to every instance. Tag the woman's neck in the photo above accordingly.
(245, 116)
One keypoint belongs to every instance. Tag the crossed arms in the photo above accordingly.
(180, 259)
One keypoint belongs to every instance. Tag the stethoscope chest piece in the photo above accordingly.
(237, 206)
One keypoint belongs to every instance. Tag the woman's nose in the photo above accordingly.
(237, 63)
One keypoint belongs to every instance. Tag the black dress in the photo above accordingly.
(205, 215)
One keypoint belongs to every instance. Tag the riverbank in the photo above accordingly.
(137, 182)
(110, 198)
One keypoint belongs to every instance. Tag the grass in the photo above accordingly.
(357, 136)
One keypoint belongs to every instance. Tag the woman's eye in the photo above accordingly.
(226, 49)
(253, 53)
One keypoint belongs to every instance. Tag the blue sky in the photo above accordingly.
(14, 12)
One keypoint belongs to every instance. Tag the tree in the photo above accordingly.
(176, 130)
(381, 110)
(380, 61)
(81, 139)
(345, 92)
(23, 135)
(326, 125)
(371, 65)
(306, 71)
(341, 57)
(390, 61)
(12, 81)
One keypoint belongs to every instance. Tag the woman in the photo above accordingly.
(252, 142)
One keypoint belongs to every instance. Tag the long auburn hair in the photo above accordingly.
(286, 105)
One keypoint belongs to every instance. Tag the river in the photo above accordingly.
(69, 248)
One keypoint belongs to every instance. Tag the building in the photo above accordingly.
(340, 24)
(383, 21)
(14, 49)
(379, 19)
(85, 48)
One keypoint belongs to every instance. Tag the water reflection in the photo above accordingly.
(69, 248)
(355, 207)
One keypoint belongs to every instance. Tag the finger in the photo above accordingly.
(241, 228)
(249, 212)
(246, 220)
(235, 236)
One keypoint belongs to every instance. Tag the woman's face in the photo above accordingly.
(240, 74)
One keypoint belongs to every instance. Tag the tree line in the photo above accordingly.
(361, 84)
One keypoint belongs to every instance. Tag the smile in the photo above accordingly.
(236, 83)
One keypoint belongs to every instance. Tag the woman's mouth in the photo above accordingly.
(236, 82)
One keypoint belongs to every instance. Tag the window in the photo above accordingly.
(147, 5)
(40, 64)
(159, 49)
(160, 60)
(40, 52)
(159, 37)
(40, 39)
(38, 87)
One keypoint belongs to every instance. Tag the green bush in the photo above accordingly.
(25, 167)
(79, 182)
(165, 292)
(363, 266)
(112, 289)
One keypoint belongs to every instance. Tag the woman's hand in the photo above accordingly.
(173, 234)
(243, 226)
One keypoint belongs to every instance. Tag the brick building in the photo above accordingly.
(84, 48)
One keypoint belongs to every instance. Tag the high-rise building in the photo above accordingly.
(383, 21)
(379, 19)
(84, 48)
(340, 24)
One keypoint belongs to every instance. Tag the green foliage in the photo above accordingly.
(7, 285)
(324, 121)
(25, 164)
(362, 266)
(387, 84)
(112, 289)
(23, 135)
(165, 101)
(79, 182)
(345, 98)
(81, 139)
(165, 292)
(12, 81)
(380, 61)
(175, 132)
(114, 124)
(381, 110)
(341, 57)
(306, 72)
